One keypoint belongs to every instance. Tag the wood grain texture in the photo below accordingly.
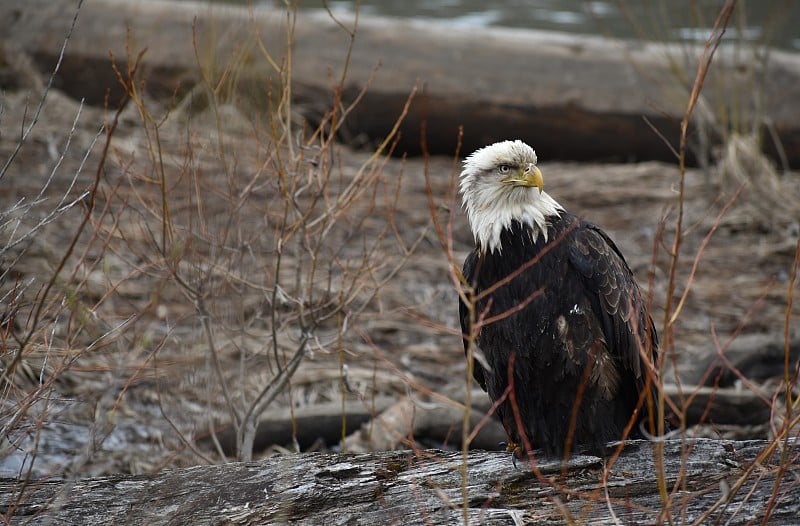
(429, 487)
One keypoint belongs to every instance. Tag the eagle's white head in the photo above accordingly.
(501, 183)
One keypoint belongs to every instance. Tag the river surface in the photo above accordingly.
(771, 22)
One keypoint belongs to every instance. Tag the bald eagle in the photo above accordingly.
(550, 311)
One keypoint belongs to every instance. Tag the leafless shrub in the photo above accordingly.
(213, 251)
(274, 244)
(41, 326)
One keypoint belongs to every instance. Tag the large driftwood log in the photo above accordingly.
(434, 487)
(388, 424)
(441, 423)
(304, 425)
(571, 96)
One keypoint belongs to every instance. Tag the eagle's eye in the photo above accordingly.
(504, 168)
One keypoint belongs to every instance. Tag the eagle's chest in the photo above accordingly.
(527, 293)
(534, 305)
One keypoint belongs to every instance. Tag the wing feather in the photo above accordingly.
(616, 296)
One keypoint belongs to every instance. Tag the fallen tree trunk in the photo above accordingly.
(388, 423)
(574, 97)
(706, 481)
(439, 423)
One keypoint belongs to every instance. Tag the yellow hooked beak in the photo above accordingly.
(528, 176)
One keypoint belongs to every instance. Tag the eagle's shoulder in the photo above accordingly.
(618, 301)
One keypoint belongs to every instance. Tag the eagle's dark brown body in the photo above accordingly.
(570, 332)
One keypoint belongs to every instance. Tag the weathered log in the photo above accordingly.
(441, 423)
(388, 424)
(436, 423)
(757, 357)
(304, 425)
(572, 96)
(434, 487)
(711, 405)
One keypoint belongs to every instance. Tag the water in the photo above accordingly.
(763, 22)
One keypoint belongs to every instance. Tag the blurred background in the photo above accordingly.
(766, 23)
